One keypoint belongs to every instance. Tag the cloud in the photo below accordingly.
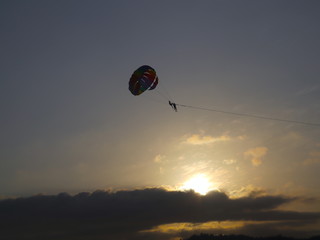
(308, 90)
(159, 158)
(249, 190)
(197, 139)
(124, 214)
(256, 155)
(242, 137)
(229, 161)
(314, 158)
(196, 167)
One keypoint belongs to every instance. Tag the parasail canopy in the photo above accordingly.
(142, 79)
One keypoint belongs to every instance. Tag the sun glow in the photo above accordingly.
(199, 183)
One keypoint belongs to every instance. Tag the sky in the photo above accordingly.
(104, 163)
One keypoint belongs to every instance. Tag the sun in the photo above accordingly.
(199, 183)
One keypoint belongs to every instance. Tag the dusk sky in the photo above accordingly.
(69, 123)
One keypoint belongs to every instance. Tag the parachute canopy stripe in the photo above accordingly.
(142, 79)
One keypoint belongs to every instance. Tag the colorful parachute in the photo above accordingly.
(142, 79)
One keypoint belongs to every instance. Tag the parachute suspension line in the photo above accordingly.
(154, 99)
(250, 115)
(165, 90)
(162, 95)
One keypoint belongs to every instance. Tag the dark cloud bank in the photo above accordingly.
(122, 214)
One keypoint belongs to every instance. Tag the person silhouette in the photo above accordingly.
(173, 105)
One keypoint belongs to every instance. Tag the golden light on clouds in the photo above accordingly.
(197, 139)
(229, 161)
(176, 227)
(199, 183)
(256, 155)
(220, 226)
(314, 158)
(159, 158)
(249, 190)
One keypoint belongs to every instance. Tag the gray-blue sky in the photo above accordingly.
(69, 123)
